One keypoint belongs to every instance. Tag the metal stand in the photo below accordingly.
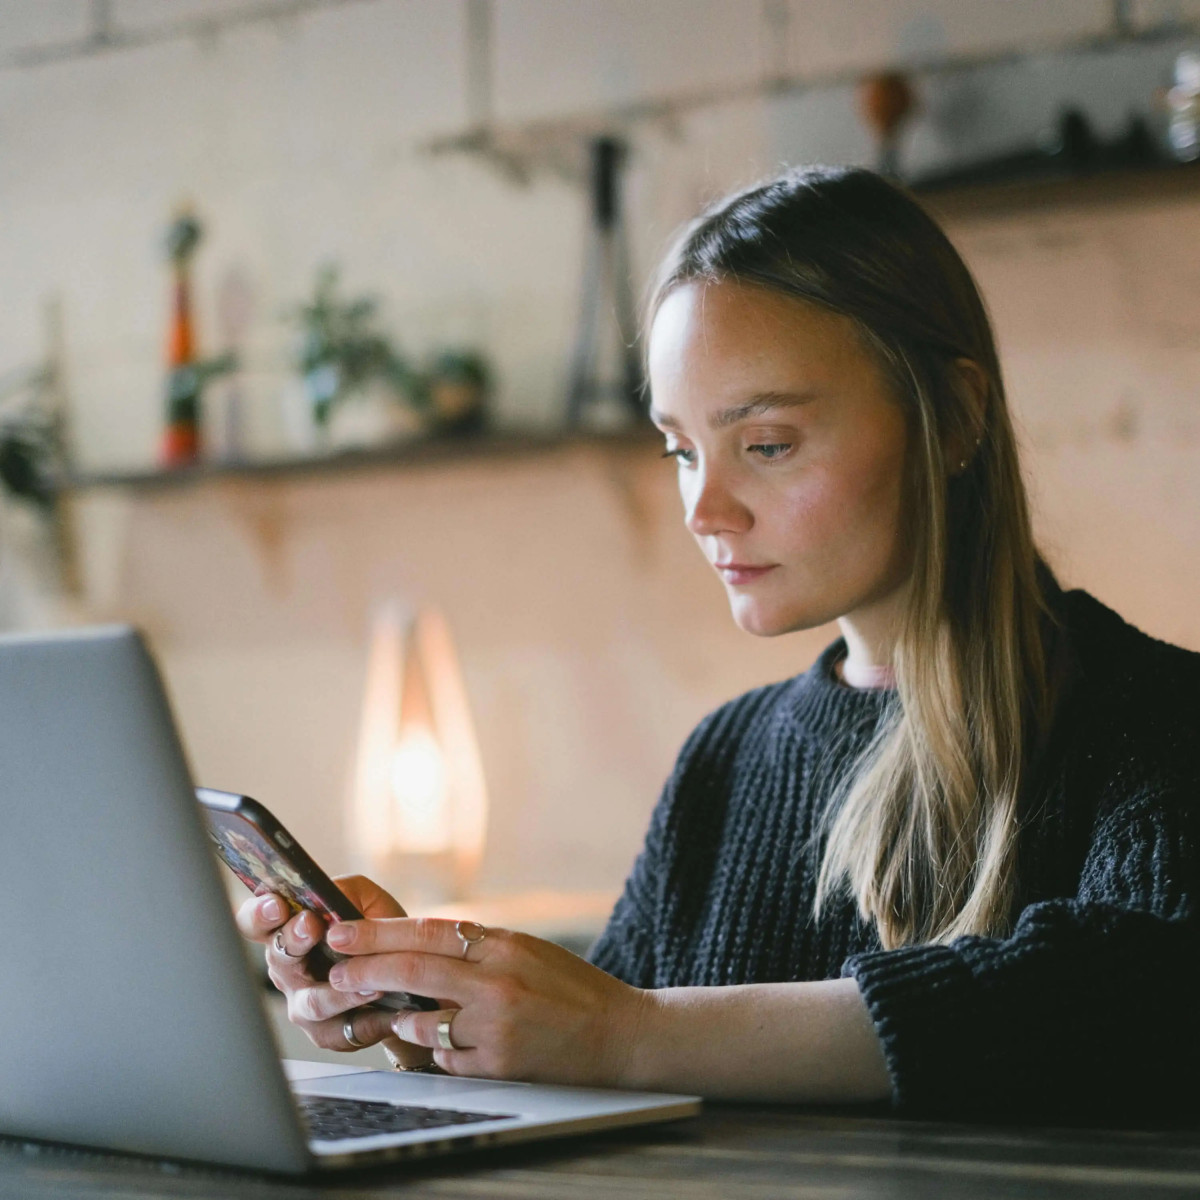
(607, 293)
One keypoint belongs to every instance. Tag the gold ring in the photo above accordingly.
(348, 1034)
(443, 1033)
(467, 941)
(398, 1064)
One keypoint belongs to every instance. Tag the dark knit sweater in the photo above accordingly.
(1086, 1010)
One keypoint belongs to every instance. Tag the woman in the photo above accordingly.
(952, 864)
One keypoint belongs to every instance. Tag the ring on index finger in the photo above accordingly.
(278, 944)
(470, 933)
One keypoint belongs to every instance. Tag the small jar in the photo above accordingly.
(1183, 107)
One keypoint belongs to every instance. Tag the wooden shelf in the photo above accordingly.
(1050, 190)
(1064, 189)
(415, 454)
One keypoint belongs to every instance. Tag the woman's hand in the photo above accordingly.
(520, 1007)
(316, 1007)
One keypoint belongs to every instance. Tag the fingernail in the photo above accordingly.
(337, 977)
(341, 935)
(399, 1023)
(271, 908)
(366, 997)
(303, 937)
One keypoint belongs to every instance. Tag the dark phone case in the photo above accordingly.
(270, 859)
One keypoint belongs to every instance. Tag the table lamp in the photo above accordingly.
(419, 806)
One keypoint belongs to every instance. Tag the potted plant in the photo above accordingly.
(359, 388)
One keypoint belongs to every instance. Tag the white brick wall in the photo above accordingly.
(295, 144)
(299, 139)
(25, 24)
(589, 55)
(831, 35)
(146, 16)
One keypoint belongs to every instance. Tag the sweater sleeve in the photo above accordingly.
(1087, 1009)
(626, 947)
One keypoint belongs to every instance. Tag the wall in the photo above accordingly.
(1095, 311)
(592, 635)
(591, 632)
(303, 136)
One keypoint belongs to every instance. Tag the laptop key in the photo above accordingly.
(331, 1120)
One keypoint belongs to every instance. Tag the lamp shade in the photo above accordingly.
(419, 806)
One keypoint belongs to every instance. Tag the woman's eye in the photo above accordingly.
(770, 450)
(679, 454)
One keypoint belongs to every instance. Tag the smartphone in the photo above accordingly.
(266, 858)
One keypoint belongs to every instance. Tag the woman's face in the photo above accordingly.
(791, 452)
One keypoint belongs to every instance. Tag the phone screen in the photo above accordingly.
(261, 865)
(266, 858)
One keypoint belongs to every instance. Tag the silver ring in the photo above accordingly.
(283, 949)
(443, 1033)
(468, 942)
(348, 1034)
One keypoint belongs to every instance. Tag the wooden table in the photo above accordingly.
(730, 1153)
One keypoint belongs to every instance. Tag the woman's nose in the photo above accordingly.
(712, 507)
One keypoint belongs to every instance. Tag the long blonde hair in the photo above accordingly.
(922, 832)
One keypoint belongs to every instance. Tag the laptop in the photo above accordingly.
(130, 1017)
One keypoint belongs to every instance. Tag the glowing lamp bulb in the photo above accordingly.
(418, 782)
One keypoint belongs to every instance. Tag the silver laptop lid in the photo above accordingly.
(103, 861)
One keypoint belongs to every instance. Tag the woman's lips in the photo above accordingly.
(742, 573)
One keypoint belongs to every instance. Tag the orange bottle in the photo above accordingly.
(181, 445)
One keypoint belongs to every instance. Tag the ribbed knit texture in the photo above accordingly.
(1084, 1011)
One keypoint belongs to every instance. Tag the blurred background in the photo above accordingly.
(314, 320)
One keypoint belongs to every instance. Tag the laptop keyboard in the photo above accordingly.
(330, 1119)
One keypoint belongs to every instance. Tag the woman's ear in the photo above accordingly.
(971, 387)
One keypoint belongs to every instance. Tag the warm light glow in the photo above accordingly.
(418, 780)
